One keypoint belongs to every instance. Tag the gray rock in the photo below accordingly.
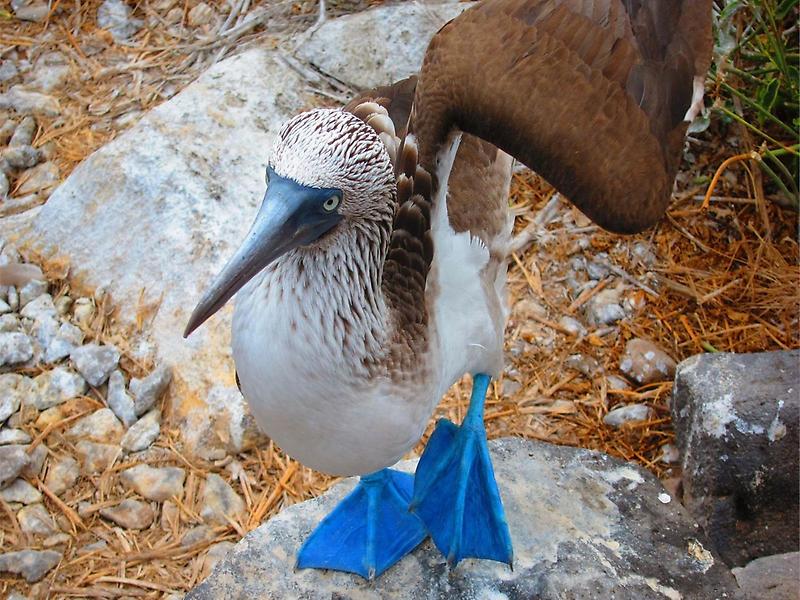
(37, 308)
(35, 461)
(22, 492)
(15, 348)
(771, 577)
(50, 72)
(377, 58)
(147, 391)
(595, 269)
(219, 500)
(130, 514)
(200, 533)
(643, 252)
(35, 520)
(115, 16)
(119, 400)
(62, 475)
(24, 132)
(55, 387)
(4, 185)
(31, 291)
(586, 365)
(630, 413)
(744, 411)
(154, 483)
(34, 11)
(604, 308)
(617, 383)
(8, 70)
(33, 565)
(572, 325)
(96, 458)
(10, 323)
(13, 388)
(644, 362)
(28, 102)
(584, 526)
(13, 436)
(68, 338)
(95, 362)
(143, 433)
(100, 426)
(39, 178)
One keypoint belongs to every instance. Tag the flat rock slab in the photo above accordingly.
(584, 525)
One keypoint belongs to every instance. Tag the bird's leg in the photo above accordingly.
(455, 493)
(368, 531)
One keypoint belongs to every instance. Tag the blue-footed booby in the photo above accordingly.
(373, 276)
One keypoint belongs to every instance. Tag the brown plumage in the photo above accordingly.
(591, 94)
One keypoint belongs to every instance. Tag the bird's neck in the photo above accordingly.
(333, 289)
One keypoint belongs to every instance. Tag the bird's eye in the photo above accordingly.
(331, 204)
(266, 176)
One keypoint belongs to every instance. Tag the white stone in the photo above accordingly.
(26, 102)
(95, 362)
(39, 178)
(130, 514)
(55, 387)
(143, 433)
(631, 413)
(219, 501)
(21, 491)
(100, 426)
(35, 519)
(68, 338)
(13, 388)
(115, 16)
(62, 475)
(13, 436)
(119, 400)
(391, 42)
(147, 391)
(13, 459)
(15, 348)
(154, 483)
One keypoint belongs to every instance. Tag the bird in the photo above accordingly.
(373, 276)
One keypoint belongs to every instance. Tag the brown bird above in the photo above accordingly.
(373, 276)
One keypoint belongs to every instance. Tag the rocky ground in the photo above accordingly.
(115, 487)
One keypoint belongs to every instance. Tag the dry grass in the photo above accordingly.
(726, 279)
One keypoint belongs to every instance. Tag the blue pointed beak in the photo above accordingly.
(291, 215)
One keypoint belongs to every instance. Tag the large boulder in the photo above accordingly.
(584, 525)
(391, 42)
(736, 419)
(152, 216)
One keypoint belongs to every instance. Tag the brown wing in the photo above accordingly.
(589, 93)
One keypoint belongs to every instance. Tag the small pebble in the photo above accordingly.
(28, 102)
(98, 546)
(604, 308)
(38, 178)
(15, 348)
(586, 365)
(143, 433)
(631, 413)
(95, 362)
(669, 454)
(35, 12)
(63, 304)
(24, 132)
(35, 520)
(33, 565)
(96, 458)
(220, 500)
(13, 298)
(10, 323)
(115, 16)
(50, 73)
(13, 388)
(147, 391)
(57, 539)
(664, 498)
(68, 338)
(56, 387)
(83, 311)
(62, 475)
(154, 483)
(101, 426)
(14, 436)
(130, 514)
(21, 491)
(39, 308)
(120, 401)
(8, 127)
(31, 291)
(572, 325)
(644, 362)
(36, 460)
(4, 186)
(201, 14)
(617, 383)
(200, 533)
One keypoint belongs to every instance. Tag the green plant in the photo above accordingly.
(757, 83)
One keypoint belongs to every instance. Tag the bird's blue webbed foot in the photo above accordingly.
(368, 531)
(455, 493)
